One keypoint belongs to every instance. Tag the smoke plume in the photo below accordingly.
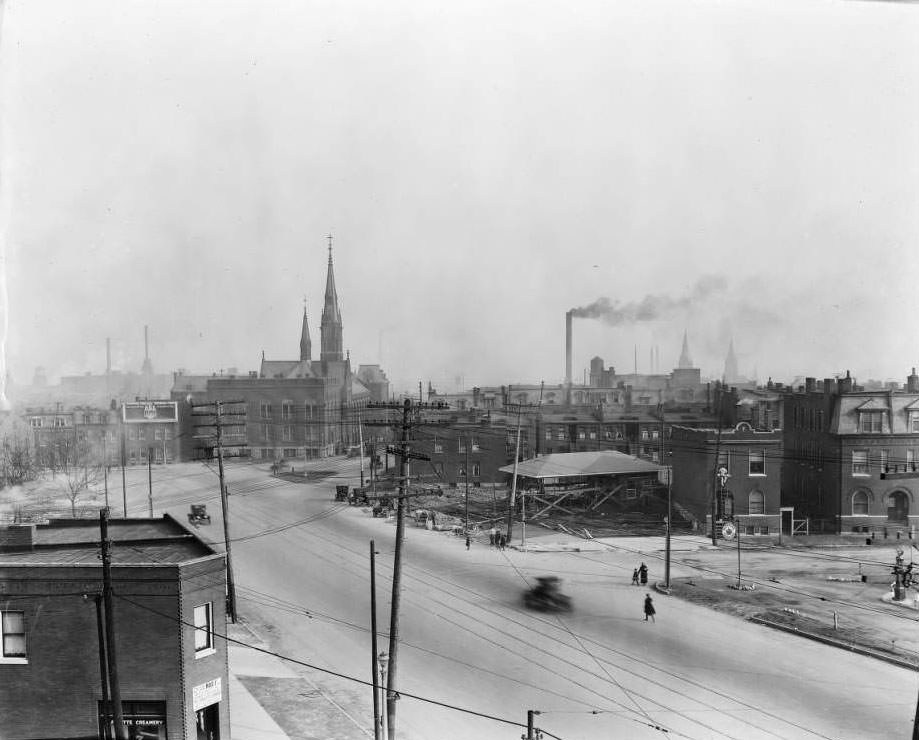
(650, 307)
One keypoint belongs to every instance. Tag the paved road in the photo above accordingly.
(301, 564)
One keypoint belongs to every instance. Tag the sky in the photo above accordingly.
(738, 171)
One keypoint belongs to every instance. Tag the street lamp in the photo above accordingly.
(383, 661)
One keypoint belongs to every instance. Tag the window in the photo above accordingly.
(475, 444)
(548, 435)
(859, 462)
(914, 421)
(461, 444)
(757, 503)
(860, 503)
(287, 409)
(59, 422)
(265, 410)
(644, 433)
(870, 422)
(560, 434)
(288, 433)
(36, 422)
(157, 433)
(167, 434)
(476, 470)
(724, 460)
(883, 460)
(757, 462)
(438, 446)
(582, 434)
(204, 629)
(13, 633)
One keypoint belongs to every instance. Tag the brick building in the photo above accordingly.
(752, 461)
(169, 606)
(852, 456)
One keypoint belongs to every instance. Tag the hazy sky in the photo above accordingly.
(749, 168)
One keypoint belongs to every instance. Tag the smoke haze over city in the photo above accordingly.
(744, 172)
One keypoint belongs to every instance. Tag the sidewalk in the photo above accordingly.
(248, 719)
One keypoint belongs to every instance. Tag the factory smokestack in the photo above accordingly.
(568, 317)
(108, 356)
(147, 367)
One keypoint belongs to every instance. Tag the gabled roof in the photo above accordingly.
(575, 464)
(873, 404)
(286, 369)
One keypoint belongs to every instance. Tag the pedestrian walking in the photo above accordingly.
(643, 573)
(635, 577)
(492, 535)
(502, 541)
(467, 541)
(649, 608)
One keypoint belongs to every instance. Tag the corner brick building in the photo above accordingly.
(169, 606)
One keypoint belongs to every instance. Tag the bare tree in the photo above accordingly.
(17, 454)
(78, 466)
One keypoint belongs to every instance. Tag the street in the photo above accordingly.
(301, 565)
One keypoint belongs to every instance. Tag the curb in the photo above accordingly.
(835, 643)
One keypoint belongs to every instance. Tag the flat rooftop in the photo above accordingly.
(162, 541)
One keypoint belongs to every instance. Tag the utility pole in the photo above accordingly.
(737, 535)
(218, 414)
(466, 471)
(717, 493)
(531, 730)
(124, 486)
(373, 642)
(397, 576)
(404, 453)
(150, 480)
(360, 437)
(103, 667)
(512, 500)
(115, 687)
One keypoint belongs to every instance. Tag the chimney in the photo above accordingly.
(912, 382)
(829, 386)
(845, 384)
(146, 343)
(568, 348)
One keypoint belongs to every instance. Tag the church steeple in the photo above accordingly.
(685, 359)
(330, 327)
(730, 366)
(306, 344)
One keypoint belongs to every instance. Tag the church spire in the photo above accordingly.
(730, 366)
(685, 359)
(330, 326)
(306, 344)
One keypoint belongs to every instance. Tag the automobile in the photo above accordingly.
(545, 596)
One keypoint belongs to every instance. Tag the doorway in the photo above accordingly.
(898, 507)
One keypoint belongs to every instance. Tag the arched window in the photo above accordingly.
(860, 503)
(757, 503)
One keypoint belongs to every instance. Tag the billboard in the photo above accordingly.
(145, 412)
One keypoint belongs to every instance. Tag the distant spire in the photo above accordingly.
(330, 327)
(685, 359)
(306, 344)
(730, 366)
(147, 367)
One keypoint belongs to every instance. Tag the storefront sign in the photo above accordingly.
(206, 694)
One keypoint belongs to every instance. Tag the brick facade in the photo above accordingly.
(56, 690)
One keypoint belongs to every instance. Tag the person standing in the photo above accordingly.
(635, 577)
(649, 608)
(643, 573)
(501, 540)
(492, 535)
(467, 541)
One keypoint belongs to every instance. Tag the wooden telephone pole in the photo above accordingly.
(403, 451)
(111, 654)
(218, 414)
